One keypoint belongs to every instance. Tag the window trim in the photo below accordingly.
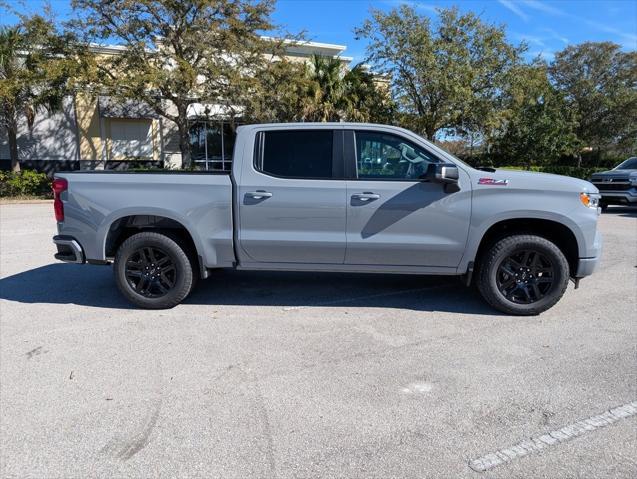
(351, 163)
(338, 173)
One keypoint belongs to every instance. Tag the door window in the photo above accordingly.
(303, 154)
(389, 157)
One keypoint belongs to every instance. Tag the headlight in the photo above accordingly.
(633, 181)
(589, 200)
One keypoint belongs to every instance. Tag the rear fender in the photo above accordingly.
(103, 230)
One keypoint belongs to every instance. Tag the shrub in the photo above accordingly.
(24, 183)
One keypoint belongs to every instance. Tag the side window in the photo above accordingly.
(297, 153)
(385, 156)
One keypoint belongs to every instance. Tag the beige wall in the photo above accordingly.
(88, 123)
(95, 134)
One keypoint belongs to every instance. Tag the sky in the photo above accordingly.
(546, 26)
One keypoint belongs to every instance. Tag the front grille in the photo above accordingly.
(613, 186)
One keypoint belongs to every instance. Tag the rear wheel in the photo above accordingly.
(523, 275)
(153, 271)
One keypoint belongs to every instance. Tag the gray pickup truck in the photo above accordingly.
(333, 197)
(619, 185)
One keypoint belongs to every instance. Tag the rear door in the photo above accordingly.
(393, 217)
(292, 204)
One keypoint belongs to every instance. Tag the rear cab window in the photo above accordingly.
(300, 154)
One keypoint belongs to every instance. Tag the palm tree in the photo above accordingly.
(336, 93)
(367, 97)
(326, 90)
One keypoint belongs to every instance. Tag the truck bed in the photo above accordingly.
(144, 172)
(199, 201)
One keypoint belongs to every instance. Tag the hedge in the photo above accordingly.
(24, 183)
(574, 171)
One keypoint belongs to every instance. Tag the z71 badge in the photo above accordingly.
(492, 181)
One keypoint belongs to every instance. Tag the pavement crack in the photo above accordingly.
(267, 429)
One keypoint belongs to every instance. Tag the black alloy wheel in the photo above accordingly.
(154, 270)
(525, 277)
(522, 274)
(151, 272)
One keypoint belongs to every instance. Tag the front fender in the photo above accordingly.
(478, 230)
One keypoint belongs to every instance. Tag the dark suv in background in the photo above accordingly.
(619, 185)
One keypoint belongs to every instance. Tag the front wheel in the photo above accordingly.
(152, 271)
(523, 275)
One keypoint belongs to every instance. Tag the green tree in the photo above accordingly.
(537, 123)
(36, 72)
(180, 52)
(599, 82)
(367, 97)
(443, 76)
(337, 93)
(280, 94)
(326, 89)
(321, 90)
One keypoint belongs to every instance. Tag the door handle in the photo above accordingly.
(367, 196)
(258, 195)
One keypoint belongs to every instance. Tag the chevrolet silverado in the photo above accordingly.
(342, 197)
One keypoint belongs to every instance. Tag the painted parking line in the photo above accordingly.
(553, 438)
(360, 298)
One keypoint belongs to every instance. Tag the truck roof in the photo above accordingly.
(309, 125)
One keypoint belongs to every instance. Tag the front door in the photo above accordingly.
(292, 202)
(393, 217)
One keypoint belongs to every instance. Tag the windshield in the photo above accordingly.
(629, 164)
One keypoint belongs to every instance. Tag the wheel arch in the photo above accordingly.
(563, 236)
(118, 228)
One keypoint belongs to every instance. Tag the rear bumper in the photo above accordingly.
(69, 250)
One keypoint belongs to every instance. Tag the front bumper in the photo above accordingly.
(586, 266)
(628, 197)
(69, 250)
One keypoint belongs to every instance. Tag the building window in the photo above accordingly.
(212, 144)
(131, 139)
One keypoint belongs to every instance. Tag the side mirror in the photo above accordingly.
(444, 173)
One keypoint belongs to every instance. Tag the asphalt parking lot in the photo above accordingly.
(277, 375)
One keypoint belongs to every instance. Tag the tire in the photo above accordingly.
(522, 284)
(153, 271)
